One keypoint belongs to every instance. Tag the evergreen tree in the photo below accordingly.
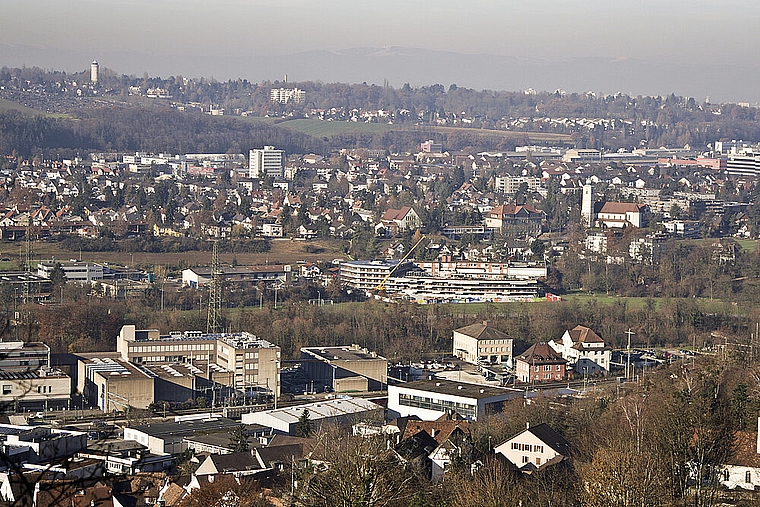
(303, 427)
(238, 440)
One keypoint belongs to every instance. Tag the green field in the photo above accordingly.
(748, 245)
(322, 128)
(7, 105)
(600, 299)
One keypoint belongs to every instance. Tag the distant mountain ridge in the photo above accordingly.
(420, 67)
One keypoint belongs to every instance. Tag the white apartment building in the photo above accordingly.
(511, 184)
(597, 243)
(81, 272)
(287, 95)
(584, 350)
(685, 228)
(265, 162)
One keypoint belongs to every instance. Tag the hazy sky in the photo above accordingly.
(132, 31)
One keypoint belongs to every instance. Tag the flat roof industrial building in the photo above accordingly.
(285, 420)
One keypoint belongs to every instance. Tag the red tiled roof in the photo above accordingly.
(621, 207)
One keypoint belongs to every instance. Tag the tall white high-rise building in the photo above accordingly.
(265, 162)
(587, 206)
(94, 72)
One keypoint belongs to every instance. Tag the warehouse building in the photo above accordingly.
(347, 368)
(201, 277)
(169, 437)
(337, 411)
(431, 399)
(254, 363)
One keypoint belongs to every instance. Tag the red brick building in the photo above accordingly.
(540, 363)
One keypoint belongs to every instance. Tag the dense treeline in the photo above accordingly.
(628, 121)
(143, 129)
(394, 330)
(161, 245)
(722, 271)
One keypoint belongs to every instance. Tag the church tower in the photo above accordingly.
(587, 206)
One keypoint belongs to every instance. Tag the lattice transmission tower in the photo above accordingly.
(215, 293)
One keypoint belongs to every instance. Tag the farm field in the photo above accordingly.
(599, 299)
(285, 251)
(323, 128)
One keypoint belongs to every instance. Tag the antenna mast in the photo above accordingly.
(28, 254)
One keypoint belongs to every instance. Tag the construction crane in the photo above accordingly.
(382, 284)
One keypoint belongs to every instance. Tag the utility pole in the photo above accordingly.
(628, 357)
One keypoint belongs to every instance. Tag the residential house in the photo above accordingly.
(515, 220)
(742, 470)
(540, 363)
(401, 219)
(585, 350)
(535, 448)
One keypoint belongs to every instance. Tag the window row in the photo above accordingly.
(463, 409)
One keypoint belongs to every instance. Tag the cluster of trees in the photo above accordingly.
(698, 269)
(397, 331)
(660, 443)
(655, 121)
(154, 130)
(107, 243)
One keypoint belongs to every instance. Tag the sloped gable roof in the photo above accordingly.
(482, 331)
(551, 438)
(541, 353)
(582, 334)
(620, 208)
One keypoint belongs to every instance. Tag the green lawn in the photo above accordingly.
(322, 128)
(749, 245)
(7, 105)
(601, 299)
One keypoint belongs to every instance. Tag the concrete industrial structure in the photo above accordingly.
(482, 343)
(338, 411)
(169, 437)
(348, 368)
(40, 389)
(42, 443)
(23, 356)
(80, 272)
(200, 277)
(253, 364)
(265, 162)
(431, 399)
